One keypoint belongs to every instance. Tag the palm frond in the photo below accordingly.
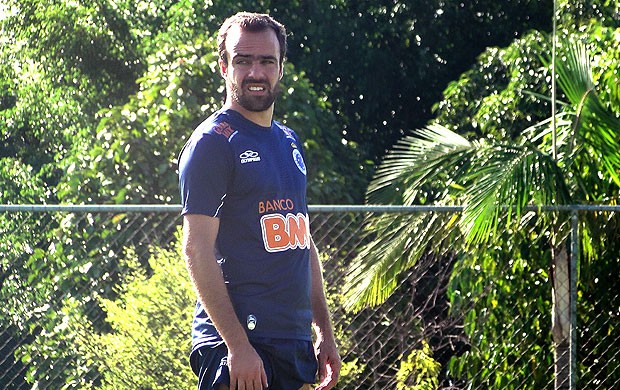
(413, 162)
(575, 73)
(399, 243)
(594, 127)
(505, 179)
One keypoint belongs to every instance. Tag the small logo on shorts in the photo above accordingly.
(251, 322)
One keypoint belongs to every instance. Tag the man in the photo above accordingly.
(246, 231)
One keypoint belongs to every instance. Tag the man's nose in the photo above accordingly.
(255, 69)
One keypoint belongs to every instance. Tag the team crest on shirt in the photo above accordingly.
(299, 161)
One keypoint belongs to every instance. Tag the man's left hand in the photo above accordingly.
(329, 364)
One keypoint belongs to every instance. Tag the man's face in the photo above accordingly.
(253, 70)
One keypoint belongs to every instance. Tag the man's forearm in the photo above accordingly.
(208, 281)
(325, 347)
(320, 310)
(214, 297)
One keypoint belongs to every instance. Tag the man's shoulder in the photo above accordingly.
(210, 138)
(218, 124)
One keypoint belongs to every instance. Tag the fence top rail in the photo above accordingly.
(450, 209)
(168, 208)
(91, 208)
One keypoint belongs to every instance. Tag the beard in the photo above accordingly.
(251, 102)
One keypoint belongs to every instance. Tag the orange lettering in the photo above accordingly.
(282, 233)
(275, 237)
(298, 231)
(275, 205)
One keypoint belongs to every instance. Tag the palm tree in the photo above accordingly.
(497, 182)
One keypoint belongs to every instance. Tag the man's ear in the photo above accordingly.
(223, 67)
(281, 71)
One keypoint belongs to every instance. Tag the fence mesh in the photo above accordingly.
(452, 323)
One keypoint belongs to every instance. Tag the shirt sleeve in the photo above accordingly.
(205, 170)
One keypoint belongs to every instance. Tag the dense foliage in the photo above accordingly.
(75, 75)
(147, 345)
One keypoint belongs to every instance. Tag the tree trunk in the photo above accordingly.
(561, 319)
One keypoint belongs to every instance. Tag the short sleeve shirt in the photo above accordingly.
(253, 179)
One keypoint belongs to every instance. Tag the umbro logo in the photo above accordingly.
(249, 156)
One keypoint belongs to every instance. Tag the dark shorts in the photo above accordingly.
(289, 364)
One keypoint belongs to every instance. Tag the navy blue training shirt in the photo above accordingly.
(253, 179)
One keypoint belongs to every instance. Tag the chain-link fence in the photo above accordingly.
(453, 322)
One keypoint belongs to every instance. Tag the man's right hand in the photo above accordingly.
(246, 368)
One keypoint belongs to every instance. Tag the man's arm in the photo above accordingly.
(325, 347)
(199, 237)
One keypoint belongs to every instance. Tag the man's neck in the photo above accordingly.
(261, 118)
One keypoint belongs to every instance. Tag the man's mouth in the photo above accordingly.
(255, 86)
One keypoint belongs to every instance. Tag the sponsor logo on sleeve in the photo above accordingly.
(288, 133)
(224, 129)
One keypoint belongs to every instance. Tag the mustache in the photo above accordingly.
(245, 82)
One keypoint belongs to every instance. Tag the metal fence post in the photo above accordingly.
(573, 296)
